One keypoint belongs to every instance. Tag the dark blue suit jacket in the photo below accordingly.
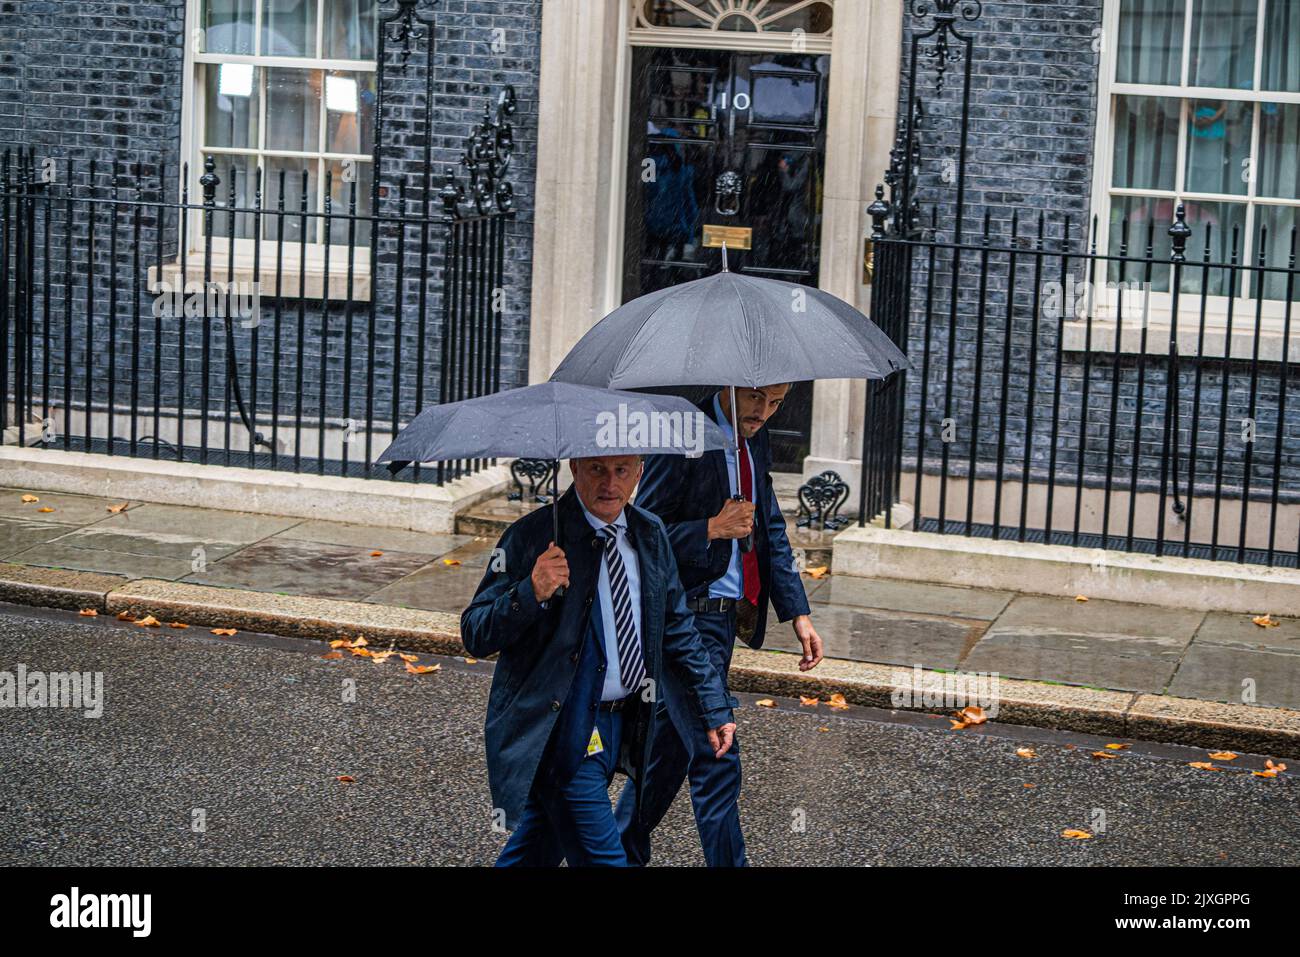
(686, 493)
(541, 649)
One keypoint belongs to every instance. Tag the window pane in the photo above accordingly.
(1142, 214)
(1279, 221)
(1279, 150)
(1220, 219)
(1218, 146)
(350, 29)
(341, 196)
(1146, 142)
(289, 28)
(293, 110)
(238, 168)
(350, 112)
(1281, 50)
(292, 198)
(1223, 43)
(814, 18)
(1150, 42)
(228, 26)
(230, 105)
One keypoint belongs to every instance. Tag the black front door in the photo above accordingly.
(730, 139)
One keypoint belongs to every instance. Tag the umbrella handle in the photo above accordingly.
(555, 517)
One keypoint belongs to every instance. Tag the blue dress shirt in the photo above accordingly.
(732, 584)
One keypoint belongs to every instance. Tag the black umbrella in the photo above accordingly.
(734, 330)
(554, 420)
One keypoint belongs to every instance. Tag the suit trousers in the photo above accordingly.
(574, 821)
(681, 749)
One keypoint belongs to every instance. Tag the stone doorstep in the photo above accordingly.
(1272, 731)
(404, 505)
(1031, 568)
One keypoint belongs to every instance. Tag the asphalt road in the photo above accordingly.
(253, 732)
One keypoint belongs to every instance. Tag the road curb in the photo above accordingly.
(1208, 724)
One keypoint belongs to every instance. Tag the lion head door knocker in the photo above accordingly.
(726, 193)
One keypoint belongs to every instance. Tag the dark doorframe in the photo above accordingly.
(701, 123)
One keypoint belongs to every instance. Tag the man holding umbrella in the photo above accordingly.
(734, 558)
(578, 669)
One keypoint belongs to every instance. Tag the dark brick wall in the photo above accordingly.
(1030, 154)
(87, 81)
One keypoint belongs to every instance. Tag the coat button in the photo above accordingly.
(588, 602)
(555, 706)
(514, 606)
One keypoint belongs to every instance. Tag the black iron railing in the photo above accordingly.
(1139, 398)
(209, 329)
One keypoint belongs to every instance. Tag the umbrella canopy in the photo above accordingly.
(555, 420)
(731, 329)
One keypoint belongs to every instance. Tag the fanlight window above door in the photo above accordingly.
(783, 21)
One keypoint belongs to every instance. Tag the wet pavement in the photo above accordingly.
(1097, 644)
(228, 751)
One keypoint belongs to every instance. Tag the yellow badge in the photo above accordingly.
(594, 746)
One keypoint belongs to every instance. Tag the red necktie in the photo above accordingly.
(749, 559)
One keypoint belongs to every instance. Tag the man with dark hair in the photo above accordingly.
(713, 507)
(577, 675)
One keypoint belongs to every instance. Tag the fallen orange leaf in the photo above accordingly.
(471, 661)
(1223, 755)
(1080, 597)
(451, 561)
(1026, 753)
(809, 702)
(363, 652)
(1264, 621)
(823, 728)
(1203, 765)
(958, 725)
(178, 624)
(225, 631)
(88, 612)
(765, 703)
(1028, 785)
(972, 715)
(818, 572)
(375, 554)
(339, 643)
(378, 656)
(837, 702)
(117, 508)
(420, 669)
(1075, 834)
(125, 616)
(1104, 754)
(347, 778)
(332, 655)
(1274, 766)
(45, 508)
(408, 657)
(30, 498)
(360, 642)
(149, 621)
(1119, 747)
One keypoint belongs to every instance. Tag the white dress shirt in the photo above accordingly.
(614, 689)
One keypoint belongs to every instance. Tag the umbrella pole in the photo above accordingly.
(746, 543)
(555, 514)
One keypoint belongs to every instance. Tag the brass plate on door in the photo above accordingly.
(736, 237)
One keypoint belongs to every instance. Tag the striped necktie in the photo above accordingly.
(631, 661)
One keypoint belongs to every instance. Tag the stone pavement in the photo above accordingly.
(1114, 646)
